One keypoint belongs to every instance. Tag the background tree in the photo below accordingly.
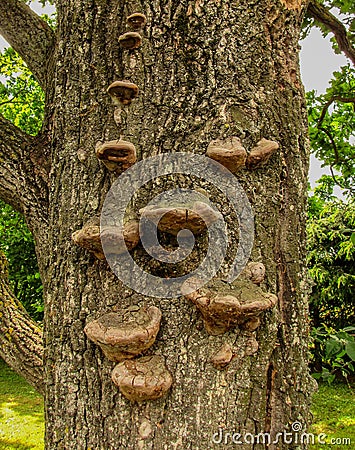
(205, 72)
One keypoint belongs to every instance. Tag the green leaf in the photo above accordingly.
(350, 350)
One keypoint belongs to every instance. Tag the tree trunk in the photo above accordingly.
(206, 70)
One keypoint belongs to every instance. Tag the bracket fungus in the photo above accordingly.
(172, 220)
(222, 357)
(125, 335)
(255, 272)
(225, 306)
(115, 242)
(145, 378)
(130, 40)
(89, 238)
(123, 92)
(117, 155)
(228, 152)
(261, 153)
(137, 21)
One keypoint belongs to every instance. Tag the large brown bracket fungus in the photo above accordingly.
(123, 92)
(145, 378)
(137, 21)
(228, 152)
(117, 155)
(116, 242)
(261, 153)
(172, 220)
(125, 335)
(225, 306)
(130, 40)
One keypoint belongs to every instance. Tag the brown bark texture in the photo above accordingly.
(206, 70)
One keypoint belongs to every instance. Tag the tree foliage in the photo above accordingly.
(331, 126)
(331, 258)
(21, 102)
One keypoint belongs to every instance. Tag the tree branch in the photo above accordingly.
(321, 14)
(334, 98)
(29, 35)
(21, 340)
(23, 170)
(12, 140)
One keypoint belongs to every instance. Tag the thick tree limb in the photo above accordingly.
(321, 14)
(21, 341)
(29, 35)
(23, 170)
(12, 140)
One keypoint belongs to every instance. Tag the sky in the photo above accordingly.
(318, 62)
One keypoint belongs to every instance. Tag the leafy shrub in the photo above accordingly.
(333, 353)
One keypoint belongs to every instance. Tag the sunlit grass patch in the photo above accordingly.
(21, 413)
(334, 415)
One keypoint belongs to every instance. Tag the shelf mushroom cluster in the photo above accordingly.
(232, 155)
(122, 337)
(125, 336)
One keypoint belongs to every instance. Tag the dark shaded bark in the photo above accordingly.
(21, 340)
(321, 14)
(206, 70)
(29, 35)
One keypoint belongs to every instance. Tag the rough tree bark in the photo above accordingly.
(206, 70)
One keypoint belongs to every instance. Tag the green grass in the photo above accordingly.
(334, 414)
(22, 423)
(21, 413)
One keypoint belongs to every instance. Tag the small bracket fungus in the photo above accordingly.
(261, 153)
(124, 336)
(225, 306)
(115, 241)
(255, 272)
(142, 379)
(117, 155)
(89, 238)
(222, 357)
(130, 40)
(137, 21)
(123, 92)
(172, 220)
(228, 152)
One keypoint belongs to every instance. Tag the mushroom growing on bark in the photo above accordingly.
(117, 155)
(172, 220)
(222, 357)
(123, 92)
(224, 306)
(115, 242)
(127, 334)
(145, 378)
(130, 40)
(254, 271)
(89, 238)
(228, 152)
(137, 21)
(261, 153)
